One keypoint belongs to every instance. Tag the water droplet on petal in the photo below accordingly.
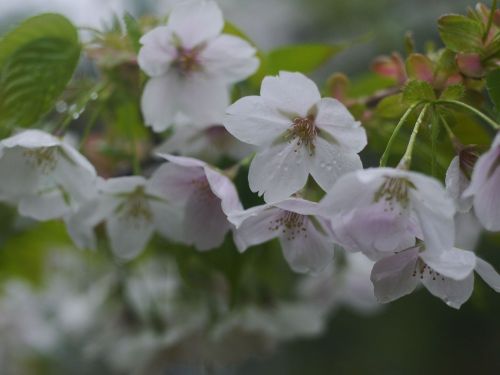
(329, 167)
(61, 106)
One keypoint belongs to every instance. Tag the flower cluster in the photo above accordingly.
(222, 169)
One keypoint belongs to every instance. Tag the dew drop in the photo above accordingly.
(61, 106)
(94, 96)
(322, 165)
(329, 167)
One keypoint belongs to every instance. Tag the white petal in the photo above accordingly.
(453, 292)
(330, 162)
(487, 202)
(224, 189)
(205, 223)
(202, 98)
(257, 226)
(435, 211)
(456, 183)
(253, 121)
(168, 220)
(19, 177)
(160, 101)
(307, 251)
(292, 93)
(482, 169)
(128, 235)
(32, 138)
(300, 206)
(157, 52)
(488, 274)
(196, 22)
(279, 171)
(230, 58)
(125, 184)
(334, 118)
(467, 230)
(392, 276)
(456, 263)
(44, 206)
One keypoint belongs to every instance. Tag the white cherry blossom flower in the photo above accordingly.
(485, 187)
(203, 194)
(379, 211)
(44, 175)
(299, 133)
(297, 224)
(191, 65)
(448, 276)
(132, 210)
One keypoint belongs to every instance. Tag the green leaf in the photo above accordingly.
(453, 92)
(493, 85)
(416, 91)
(301, 58)
(37, 60)
(460, 33)
(391, 107)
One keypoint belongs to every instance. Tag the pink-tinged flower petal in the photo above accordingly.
(456, 264)
(435, 211)
(391, 66)
(470, 64)
(308, 250)
(468, 230)
(330, 162)
(279, 171)
(175, 182)
(157, 52)
(456, 183)
(183, 161)
(128, 235)
(453, 292)
(159, 101)
(256, 225)
(252, 120)
(196, 22)
(420, 67)
(230, 58)
(488, 274)
(487, 201)
(334, 118)
(392, 276)
(205, 224)
(291, 93)
(224, 189)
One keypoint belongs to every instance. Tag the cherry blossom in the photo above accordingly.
(458, 177)
(448, 275)
(44, 175)
(485, 187)
(204, 195)
(191, 65)
(299, 133)
(379, 211)
(132, 210)
(297, 224)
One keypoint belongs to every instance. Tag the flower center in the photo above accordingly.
(421, 268)
(187, 60)
(291, 225)
(43, 158)
(305, 131)
(394, 190)
(136, 207)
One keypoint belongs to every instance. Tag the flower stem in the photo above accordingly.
(471, 109)
(490, 20)
(406, 160)
(387, 151)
